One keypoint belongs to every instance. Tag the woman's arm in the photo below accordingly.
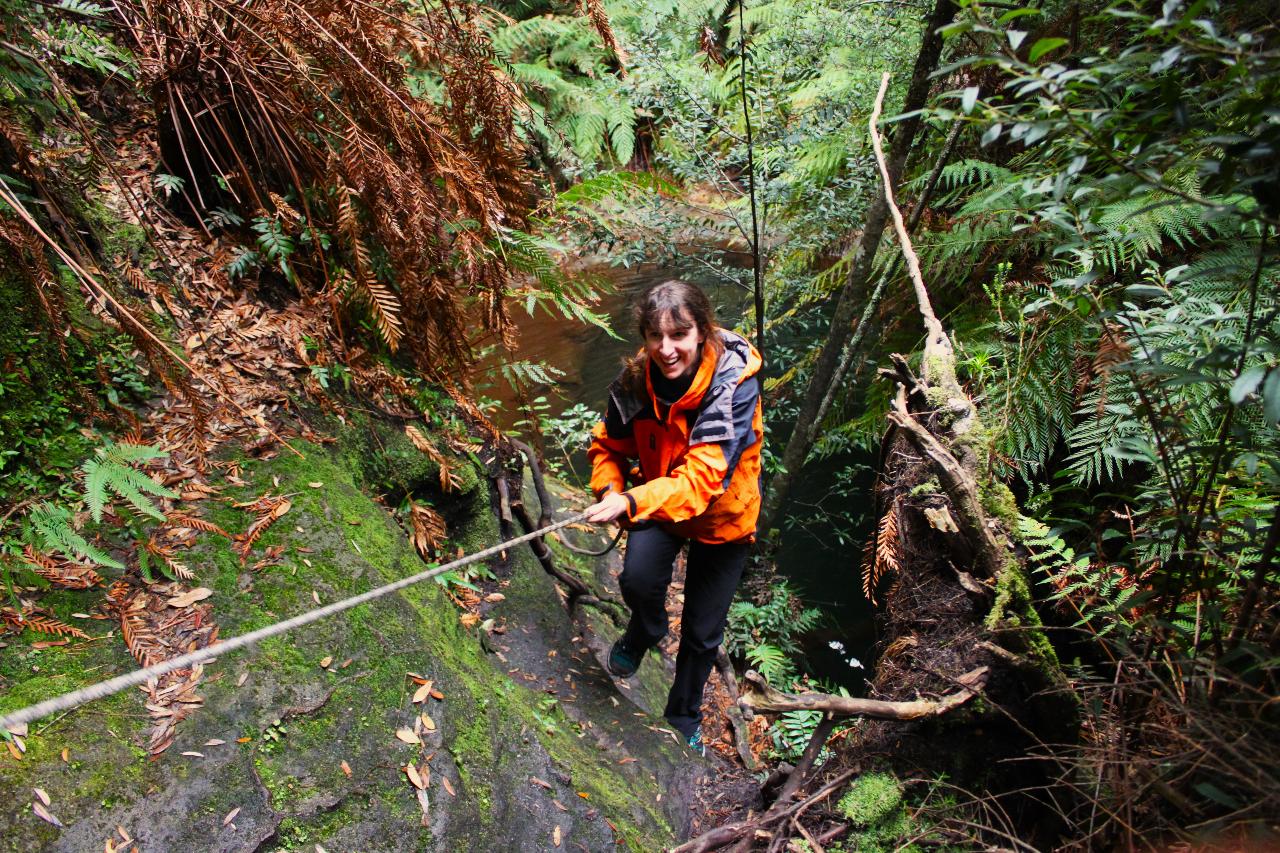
(613, 444)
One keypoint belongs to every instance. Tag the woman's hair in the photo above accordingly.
(685, 304)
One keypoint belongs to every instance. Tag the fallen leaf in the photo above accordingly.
(437, 695)
(124, 834)
(346, 768)
(626, 760)
(424, 803)
(540, 783)
(315, 485)
(44, 814)
(414, 776)
(444, 780)
(214, 742)
(325, 661)
(555, 837)
(584, 795)
(244, 676)
(561, 806)
(495, 597)
(316, 596)
(243, 739)
(408, 736)
(320, 849)
(48, 644)
(20, 729)
(194, 754)
(13, 750)
(428, 723)
(421, 694)
(346, 663)
(231, 815)
(42, 795)
(66, 755)
(469, 620)
(187, 599)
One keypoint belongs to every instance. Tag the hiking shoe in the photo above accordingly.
(696, 743)
(623, 660)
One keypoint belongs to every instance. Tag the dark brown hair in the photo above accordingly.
(683, 303)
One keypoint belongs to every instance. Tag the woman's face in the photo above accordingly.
(674, 346)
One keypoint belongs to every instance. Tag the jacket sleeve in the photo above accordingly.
(612, 445)
(722, 431)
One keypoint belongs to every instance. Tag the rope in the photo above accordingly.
(587, 552)
(84, 695)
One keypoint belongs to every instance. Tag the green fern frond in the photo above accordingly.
(54, 526)
(112, 471)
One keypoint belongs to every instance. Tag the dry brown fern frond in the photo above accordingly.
(429, 530)
(183, 519)
(882, 553)
(269, 511)
(449, 478)
(315, 99)
(60, 571)
(35, 621)
(594, 10)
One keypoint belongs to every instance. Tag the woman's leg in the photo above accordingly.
(712, 576)
(646, 573)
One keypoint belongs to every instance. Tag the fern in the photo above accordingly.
(112, 471)
(54, 526)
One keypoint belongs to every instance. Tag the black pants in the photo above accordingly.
(712, 575)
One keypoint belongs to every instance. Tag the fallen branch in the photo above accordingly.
(761, 697)
(729, 679)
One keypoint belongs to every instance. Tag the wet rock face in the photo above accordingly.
(525, 743)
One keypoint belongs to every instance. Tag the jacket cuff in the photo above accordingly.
(604, 490)
(631, 500)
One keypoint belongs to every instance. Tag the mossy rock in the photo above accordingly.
(545, 712)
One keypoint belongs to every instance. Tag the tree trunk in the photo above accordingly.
(853, 292)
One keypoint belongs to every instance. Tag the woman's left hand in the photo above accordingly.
(611, 506)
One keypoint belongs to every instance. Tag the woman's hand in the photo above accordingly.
(610, 507)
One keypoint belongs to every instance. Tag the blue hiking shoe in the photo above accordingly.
(696, 743)
(623, 660)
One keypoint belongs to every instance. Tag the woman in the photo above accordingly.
(687, 407)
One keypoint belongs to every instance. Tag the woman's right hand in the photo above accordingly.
(610, 507)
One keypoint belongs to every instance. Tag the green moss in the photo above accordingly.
(871, 799)
(1014, 608)
(998, 501)
(930, 486)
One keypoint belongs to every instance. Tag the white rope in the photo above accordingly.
(132, 679)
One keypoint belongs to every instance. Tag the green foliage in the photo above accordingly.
(1129, 336)
(54, 531)
(767, 633)
(112, 471)
(44, 38)
(579, 111)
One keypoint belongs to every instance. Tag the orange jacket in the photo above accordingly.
(700, 460)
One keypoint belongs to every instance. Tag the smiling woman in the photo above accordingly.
(687, 408)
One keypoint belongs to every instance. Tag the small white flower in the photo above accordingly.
(837, 645)
(855, 663)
